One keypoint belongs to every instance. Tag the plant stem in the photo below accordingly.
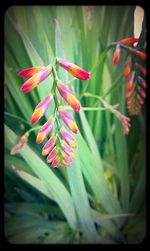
(93, 108)
(34, 129)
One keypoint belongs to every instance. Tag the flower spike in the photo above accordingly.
(69, 96)
(73, 69)
(41, 109)
(60, 147)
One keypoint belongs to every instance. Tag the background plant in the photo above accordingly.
(100, 198)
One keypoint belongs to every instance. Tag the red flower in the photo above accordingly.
(69, 96)
(73, 69)
(35, 79)
(41, 109)
(116, 56)
(45, 130)
(128, 41)
(68, 120)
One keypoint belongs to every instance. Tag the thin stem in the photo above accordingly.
(34, 129)
(55, 73)
(106, 105)
(55, 97)
(93, 108)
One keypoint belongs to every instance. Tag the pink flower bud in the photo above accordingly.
(68, 96)
(41, 109)
(73, 69)
(45, 130)
(68, 120)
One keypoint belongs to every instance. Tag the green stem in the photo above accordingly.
(55, 98)
(93, 108)
(106, 105)
(54, 73)
(34, 129)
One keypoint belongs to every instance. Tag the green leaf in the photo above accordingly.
(48, 178)
(81, 201)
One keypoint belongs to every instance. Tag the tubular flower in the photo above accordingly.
(52, 155)
(56, 162)
(41, 109)
(141, 69)
(67, 149)
(129, 84)
(73, 69)
(142, 92)
(24, 138)
(68, 96)
(45, 130)
(70, 140)
(68, 120)
(20, 145)
(135, 83)
(67, 160)
(138, 53)
(140, 100)
(142, 82)
(125, 122)
(127, 68)
(29, 72)
(36, 79)
(116, 56)
(49, 145)
(128, 41)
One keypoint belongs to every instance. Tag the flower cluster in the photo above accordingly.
(134, 73)
(135, 86)
(60, 147)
